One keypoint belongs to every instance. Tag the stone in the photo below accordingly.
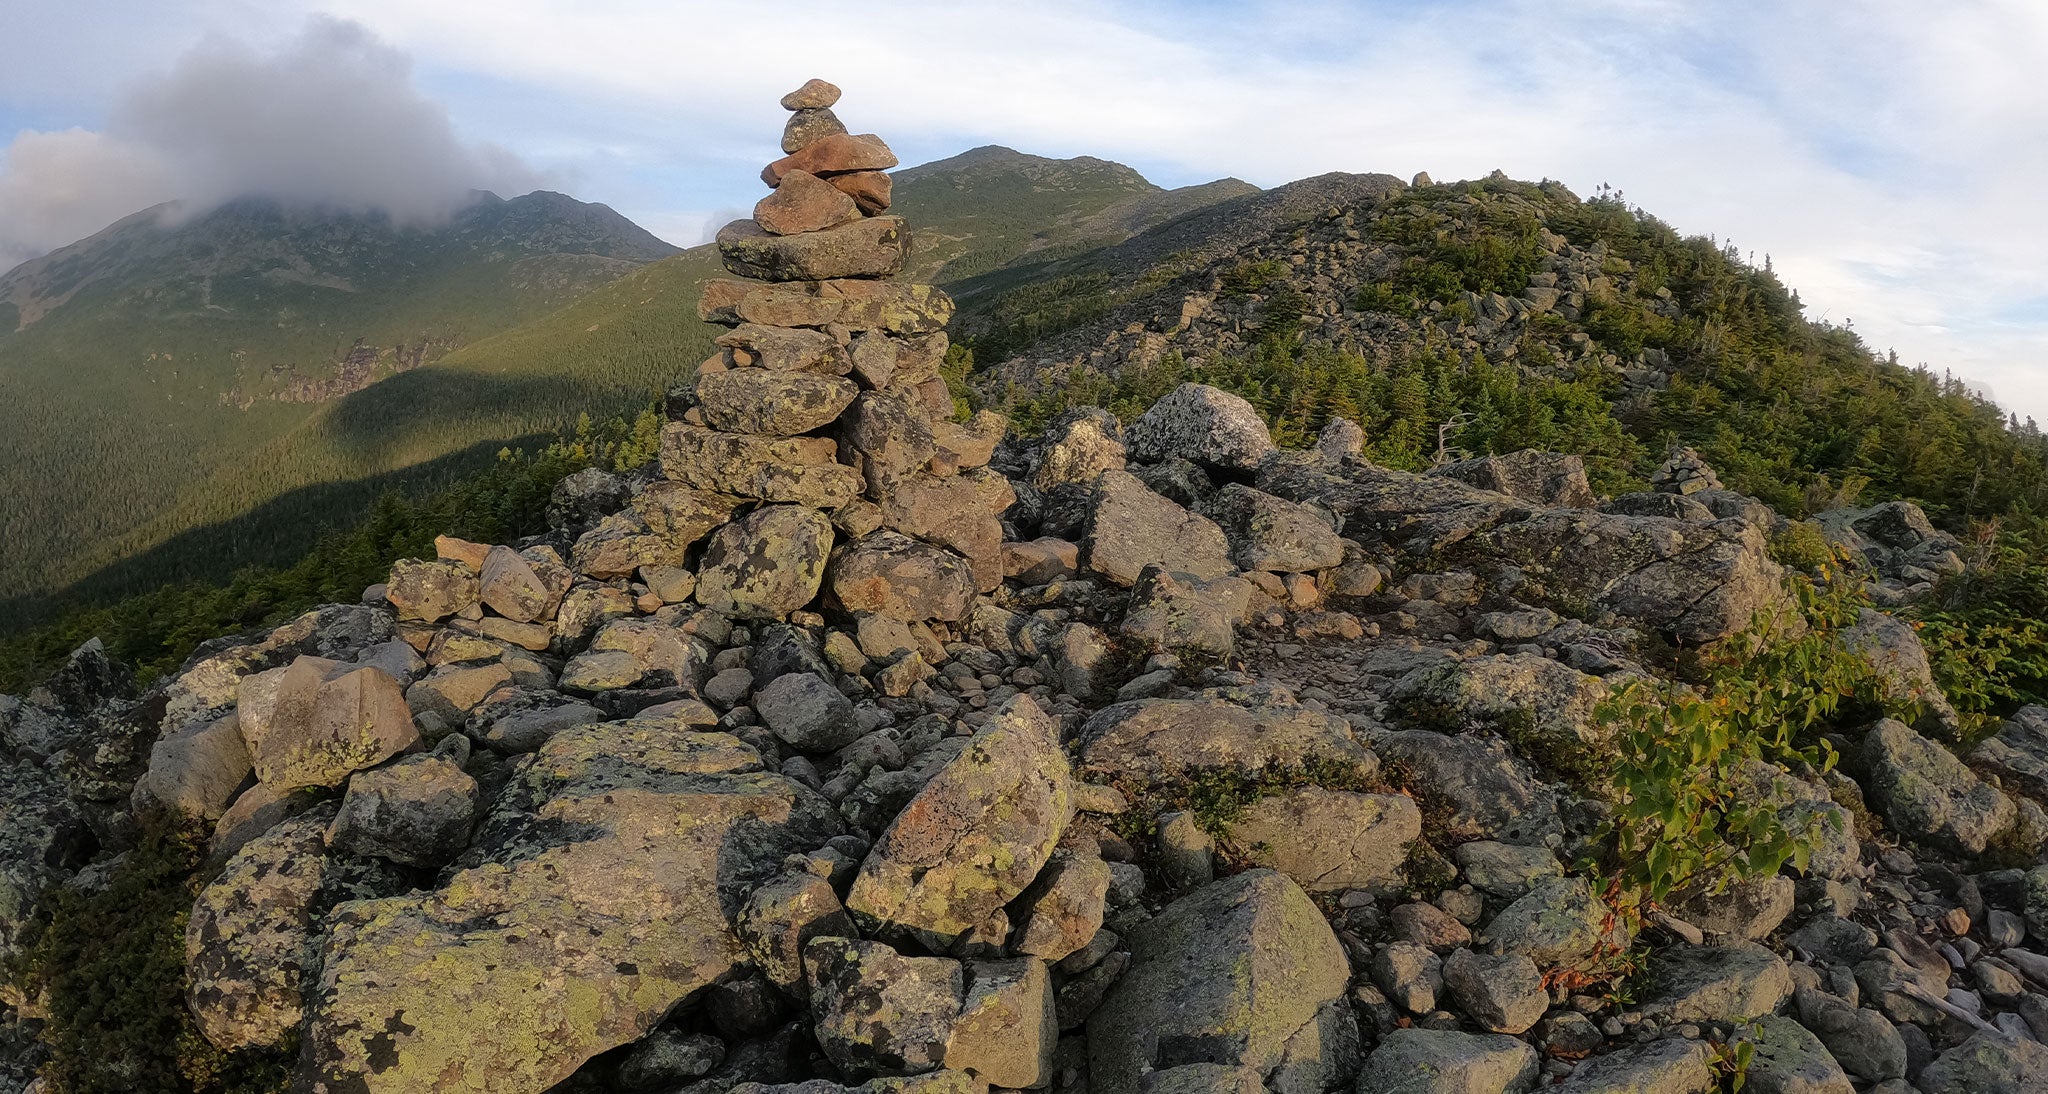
(975, 836)
(472, 555)
(816, 94)
(326, 722)
(1201, 423)
(803, 202)
(1480, 789)
(1718, 983)
(771, 403)
(1078, 447)
(1505, 869)
(668, 1058)
(1431, 1061)
(519, 719)
(1558, 922)
(592, 902)
(1684, 472)
(1867, 1045)
(1330, 841)
(1155, 740)
(799, 470)
(210, 681)
(886, 439)
(430, 591)
(43, 839)
(1504, 994)
(1987, 1063)
(253, 937)
(664, 521)
(780, 917)
(868, 247)
(970, 444)
(1245, 973)
(1410, 975)
(755, 345)
(628, 653)
(879, 1012)
(196, 771)
(1007, 1028)
(2018, 753)
(1428, 925)
(1747, 909)
(1041, 561)
(417, 811)
(766, 564)
(870, 190)
(1129, 527)
(855, 305)
(1341, 441)
(443, 698)
(1670, 1065)
(1273, 534)
(1921, 788)
(833, 154)
(1183, 853)
(1546, 478)
(523, 587)
(891, 575)
(1789, 1060)
(951, 513)
(1892, 649)
(1063, 909)
(807, 713)
(1184, 615)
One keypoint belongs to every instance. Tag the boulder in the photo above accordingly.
(1988, 1063)
(951, 512)
(869, 247)
(886, 439)
(975, 836)
(521, 719)
(1504, 994)
(888, 306)
(628, 653)
(1558, 922)
(797, 470)
(1670, 1065)
(1892, 648)
(430, 591)
(1505, 869)
(664, 521)
(878, 1012)
(830, 155)
(1548, 479)
(1154, 740)
(1182, 614)
(1273, 534)
(1923, 790)
(2018, 753)
(1078, 447)
(1064, 907)
(1007, 1028)
(1242, 973)
(896, 577)
(1787, 1059)
(1865, 1042)
(1204, 424)
(592, 902)
(1130, 527)
(417, 811)
(1330, 841)
(1718, 983)
(196, 771)
(1538, 703)
(442, 699)
(523, 586)
(772, 403)
(780, 917)
(586, 497)
(1478, 788)
(766, 564)
(210, 681)
(807, 713)
(43, 838)
(1435, 1061)
(326, 721)
(804, 202)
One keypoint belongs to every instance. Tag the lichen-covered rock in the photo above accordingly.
(43, 838)
(1273, 534)
(858, 305)
(896, 577)
(878, 1012)
(1330, 841)
(2018, 754)
(955, 513)
(766, 564)
(1503, 993)
(638, 653)
(1719, 983)
(1063, 909)
(1671, 1065)
(886, 439)
(794, 470)
(430, 591)
(417, 811)
(1130, 527)
(1204, 424)
(772, 402)
(975, 836)
(1505, 869)
(254, 935)
(1988, 1063)
(1558, 922)
(1923, 790)
(1439, 1061)
(442, 700)
(665, 520)
(210, 680)
(1892, 649)
(804, 202)
(586, 497)
(807, 713)
(196, 771)
(593, 900)
(1546, 478)
(1483, 791)
(1786, 1059)
(784, 914)
(868, 247)
(1007, 1028)
(1182, 614)
(1541, 704)
(1245, 971)
(523, 586)
(521, 719)
(326, 721)
(1158, 739)
(1079, 446)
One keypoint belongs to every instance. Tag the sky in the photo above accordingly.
(1884, 154)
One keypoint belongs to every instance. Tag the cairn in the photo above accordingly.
(824, 407)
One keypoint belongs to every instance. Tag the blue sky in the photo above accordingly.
(1885, 154)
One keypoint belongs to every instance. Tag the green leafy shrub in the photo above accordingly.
(1246, 278)
(1802, 546)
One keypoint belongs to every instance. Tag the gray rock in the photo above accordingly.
(1748, 909)
(1409, 974)
(1244, 971)
(1184, 854)
(521, 719)
(2018, 754)
(1546, 478)
(1505, 869)
(1181, 614)
(196, 771)
(1203, 424)
(1430, 1061)
(1988, 1063)
(1504, 994)
(807, 713)
(1539, 704)
(1273, 534)
(1671, 1065)
(1078, 446)
(1482, 790)
(417, 811)
(1130, 527)
(1921, 788)
(878, 1012)
(1330, 840)
(1867, 1045)
(1892, 649)
(1559, 921)
(1158, 739)
(1789, 1060)
(43, 839)
(766, 564)
(1063, 909)
(668, 1057)
(1718, 983)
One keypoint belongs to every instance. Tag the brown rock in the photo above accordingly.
(973, 443)
(450, 549)
(856, 305)
(842, 152)
(950, 512)
(816, 94)
(520, 588)
(804, 203)
(886, 439)
(810, 124)
(897, 577)
(757, 345)
(778, 404)
(871, 247)
(868, 189)
(794, 469)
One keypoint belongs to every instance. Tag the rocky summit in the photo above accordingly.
(860, 744)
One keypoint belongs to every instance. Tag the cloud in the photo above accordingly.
(332, 118)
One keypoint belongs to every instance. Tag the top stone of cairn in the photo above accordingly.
(814, 94)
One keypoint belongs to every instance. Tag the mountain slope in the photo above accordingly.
(138, 363)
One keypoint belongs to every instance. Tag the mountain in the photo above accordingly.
(140, 364)
(432, 371)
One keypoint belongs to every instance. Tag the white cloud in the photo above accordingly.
(331, 118)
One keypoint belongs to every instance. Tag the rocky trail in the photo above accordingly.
(859, 747)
